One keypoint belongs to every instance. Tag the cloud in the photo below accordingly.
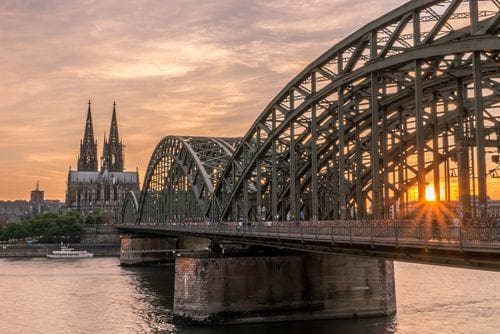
(174, 67)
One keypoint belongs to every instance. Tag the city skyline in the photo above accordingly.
(173, 70)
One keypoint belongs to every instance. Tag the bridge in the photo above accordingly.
(477, 247)
(386, 146)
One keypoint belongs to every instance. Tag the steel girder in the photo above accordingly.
(409, 99)
(181, 177)
(406, 100)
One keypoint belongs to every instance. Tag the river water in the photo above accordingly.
(98, 296)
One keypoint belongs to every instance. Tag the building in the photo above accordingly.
(37, 200)
(15, 211)
(90, 189)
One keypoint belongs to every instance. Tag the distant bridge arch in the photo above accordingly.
(181, 177)
(130, 208)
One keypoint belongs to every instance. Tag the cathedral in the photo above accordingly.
(90, 189)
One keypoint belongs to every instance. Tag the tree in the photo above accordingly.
(46, 227)
(97, 217)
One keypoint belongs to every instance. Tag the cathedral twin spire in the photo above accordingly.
(87, 160)
(112, 155)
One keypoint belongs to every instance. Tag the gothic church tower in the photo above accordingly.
(90, 189)
(112, 153)
(87, 160)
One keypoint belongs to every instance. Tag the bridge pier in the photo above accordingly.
(139, 250)
(214, 289)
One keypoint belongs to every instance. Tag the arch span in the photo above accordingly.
(181, 177)
(401, 103)
(407, 102)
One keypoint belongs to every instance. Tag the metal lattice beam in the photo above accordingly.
(410, 99)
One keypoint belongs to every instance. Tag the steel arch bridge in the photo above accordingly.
(409, 101)
(180, 180)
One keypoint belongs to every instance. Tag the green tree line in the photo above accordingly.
(50, 227)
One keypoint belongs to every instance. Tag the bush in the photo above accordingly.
(97, 217)
(46, 227)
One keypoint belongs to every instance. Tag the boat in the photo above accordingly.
(69, 253)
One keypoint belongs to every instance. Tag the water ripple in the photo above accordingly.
(98, 296)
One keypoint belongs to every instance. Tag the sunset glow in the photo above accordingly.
(430, 195)
(184, 166)
(183, 68)
(173, 70)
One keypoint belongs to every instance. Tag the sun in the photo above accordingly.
(430, 195)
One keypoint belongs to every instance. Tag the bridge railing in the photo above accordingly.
(377, 232)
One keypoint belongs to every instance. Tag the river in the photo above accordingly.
(98, 296)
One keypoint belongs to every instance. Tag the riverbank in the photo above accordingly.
(40, 250)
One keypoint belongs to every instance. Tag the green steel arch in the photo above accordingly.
(412, 93)
(407, 101)
(181, 177)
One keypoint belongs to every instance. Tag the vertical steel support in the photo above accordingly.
(419, 123)
(178, 195)
(447, 186)
(385, 208)
(462, 154)
(314, 155)
(170, 192)
(480, 136)
(185, 202)
(245, 200)
(334, 168)
(419, 111)
(435, 147)
(474, 18)
(274, 172)
(401, 183)
(341, 172)
(293, 163)
(416, 28)
(470, 129)
(160, 193)
(375, 134)
(258, 183)
(375, 141)
(168, 196)
(359, 170)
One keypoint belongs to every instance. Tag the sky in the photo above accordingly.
(173, 67)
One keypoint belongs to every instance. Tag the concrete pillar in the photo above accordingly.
(220, 289)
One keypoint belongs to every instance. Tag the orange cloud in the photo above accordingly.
(174, 67)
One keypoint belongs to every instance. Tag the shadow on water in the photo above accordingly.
(347, 326)
(156, 285)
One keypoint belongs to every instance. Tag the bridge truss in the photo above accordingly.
(180, 179)
(409, 101)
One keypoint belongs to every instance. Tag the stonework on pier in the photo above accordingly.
(140, 250)
(260, 288)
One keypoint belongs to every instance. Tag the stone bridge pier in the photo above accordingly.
(265, 286)
(151, 249)
(229, 283)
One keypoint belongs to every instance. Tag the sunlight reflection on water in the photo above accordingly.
(98, 296)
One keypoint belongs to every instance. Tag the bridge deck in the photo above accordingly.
(454, 246)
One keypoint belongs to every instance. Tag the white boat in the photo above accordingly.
(69, 253)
